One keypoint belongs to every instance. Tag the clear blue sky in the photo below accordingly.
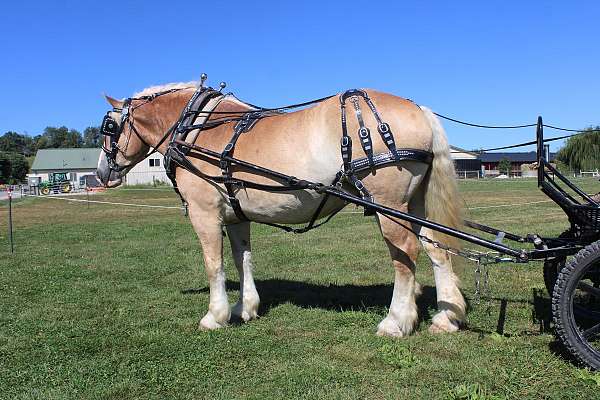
(495, 62)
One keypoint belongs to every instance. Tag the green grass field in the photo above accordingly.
(104, 301)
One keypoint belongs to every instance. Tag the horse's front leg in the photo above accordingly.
(239, 237)
(208, 227)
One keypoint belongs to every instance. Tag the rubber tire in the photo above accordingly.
(65, 188)
(562, 312)
(45, 191)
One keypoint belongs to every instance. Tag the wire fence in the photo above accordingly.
(116, 203)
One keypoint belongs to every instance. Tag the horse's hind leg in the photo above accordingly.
(208, 227)
(404, 248)
(239, 237)
(450, 301)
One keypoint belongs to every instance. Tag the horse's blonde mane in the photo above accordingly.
(159, 88)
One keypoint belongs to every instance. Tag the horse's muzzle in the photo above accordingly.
(107, 176)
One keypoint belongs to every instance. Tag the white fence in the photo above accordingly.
(468, 174)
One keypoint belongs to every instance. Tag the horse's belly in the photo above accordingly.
(293, 207)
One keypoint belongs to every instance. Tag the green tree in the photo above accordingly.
(5, 168)
(62, 137)
(13, 167)
(582, 152)
(504, 166)
(92, 137)
(17, 143)
(41, 142)
(19, 168)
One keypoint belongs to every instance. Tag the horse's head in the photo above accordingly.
(123, 146)
(134, 126)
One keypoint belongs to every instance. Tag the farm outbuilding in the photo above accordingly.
(78, 163)
(490, 161)
(82, 163)
(467, 163)
(148, 171)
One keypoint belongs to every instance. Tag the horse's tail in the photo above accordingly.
(442, 201)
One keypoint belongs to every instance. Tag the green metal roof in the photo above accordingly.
(52, 159)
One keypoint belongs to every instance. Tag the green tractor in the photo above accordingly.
(58, 182)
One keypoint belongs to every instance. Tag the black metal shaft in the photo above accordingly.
(521, 255)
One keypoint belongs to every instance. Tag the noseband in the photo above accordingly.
(113, 129)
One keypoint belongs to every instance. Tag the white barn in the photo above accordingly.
(148, 171)
(78, 163)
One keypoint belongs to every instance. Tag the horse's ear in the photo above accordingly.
(113, 102)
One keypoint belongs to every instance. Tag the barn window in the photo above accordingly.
(154, 162)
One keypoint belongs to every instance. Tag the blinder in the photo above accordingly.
(113, 130)
(109, 126)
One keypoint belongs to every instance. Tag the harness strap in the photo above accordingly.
(383, 159)
(194, 106)
(364, 133)
(225, 162)
(382, 127)
(346, 141)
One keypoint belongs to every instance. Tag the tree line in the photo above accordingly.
(581, 152)
(15, 148)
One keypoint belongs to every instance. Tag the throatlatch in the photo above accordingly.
(196, 117)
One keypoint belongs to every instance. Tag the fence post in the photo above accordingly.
(10, 225)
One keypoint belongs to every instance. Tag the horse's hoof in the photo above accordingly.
(245, 315)
(441, 324)
(209, 323)
(389, 327)
(418, 289)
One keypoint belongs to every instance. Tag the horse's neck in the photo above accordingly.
(172, 112)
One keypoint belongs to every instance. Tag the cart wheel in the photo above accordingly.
(576, 306)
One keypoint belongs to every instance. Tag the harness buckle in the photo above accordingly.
(224, 165)
(345, 141)
(384, 127)
(359, 185)
(228, 148)
(363, 132)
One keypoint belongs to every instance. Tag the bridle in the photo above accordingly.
(113, 129)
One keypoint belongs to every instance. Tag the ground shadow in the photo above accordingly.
(376, 298)
(541, 313)
(274, 292)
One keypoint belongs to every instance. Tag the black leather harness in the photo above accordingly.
(179, 150)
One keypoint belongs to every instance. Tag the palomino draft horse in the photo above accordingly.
(304, 143)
